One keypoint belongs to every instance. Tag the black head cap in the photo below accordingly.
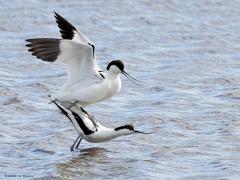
(128, 126)
(117, 63)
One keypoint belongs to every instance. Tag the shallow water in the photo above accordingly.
(186, 53)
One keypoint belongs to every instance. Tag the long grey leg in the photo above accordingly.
(73, 104)
(78, 143)
(72, 147)
(91, 117)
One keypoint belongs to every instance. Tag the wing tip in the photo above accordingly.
(66, 28)
(56, 15)
(29, 43)
(46, 49)
(28, 40)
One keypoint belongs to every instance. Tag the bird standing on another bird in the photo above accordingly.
(87, 83)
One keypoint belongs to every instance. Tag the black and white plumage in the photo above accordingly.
(87, 83)
(67, 30)
(86, 129)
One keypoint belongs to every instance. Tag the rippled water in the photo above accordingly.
(186, 53)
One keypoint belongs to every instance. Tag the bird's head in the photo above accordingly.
(128, 129)
(117, 66)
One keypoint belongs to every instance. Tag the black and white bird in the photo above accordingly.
(87, 83)
(86, 129)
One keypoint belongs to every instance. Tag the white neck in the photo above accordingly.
(112, 75)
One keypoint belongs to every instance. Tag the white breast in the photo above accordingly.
(86, 95)
(113, 87)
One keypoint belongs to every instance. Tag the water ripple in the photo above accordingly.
(184, 53)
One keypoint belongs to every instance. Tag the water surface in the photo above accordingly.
(186, 53)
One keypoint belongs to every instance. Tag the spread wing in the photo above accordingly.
(77, 57)
(68, 31)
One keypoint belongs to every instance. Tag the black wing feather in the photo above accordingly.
(79, 120)
(66, 28)
(46, 49)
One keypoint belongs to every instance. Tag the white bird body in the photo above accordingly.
(103, 134)
(88, 131)
(89, 93)
(87, 83)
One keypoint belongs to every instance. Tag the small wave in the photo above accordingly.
(43, 151)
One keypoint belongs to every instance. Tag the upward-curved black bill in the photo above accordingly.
(142, 132)
(130, 78)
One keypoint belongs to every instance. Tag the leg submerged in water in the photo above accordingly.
(78, 143)
(72, 147)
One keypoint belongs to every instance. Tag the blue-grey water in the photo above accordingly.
(186, 55)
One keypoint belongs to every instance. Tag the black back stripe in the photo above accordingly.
(93, 47)
(66, 28)
(46, 49)
(63, 111)
(102, 75)
(80, 122)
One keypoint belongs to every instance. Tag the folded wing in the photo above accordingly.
(78, 119)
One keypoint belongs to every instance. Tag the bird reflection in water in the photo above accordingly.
(82, 164)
